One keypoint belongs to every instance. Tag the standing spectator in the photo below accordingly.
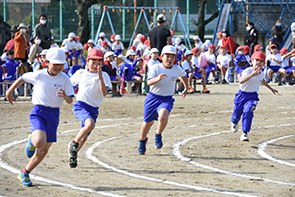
(42, 30)
(159, 35)
(251, 38)
(278, 32)
(293, 34)
(228, 42)
(35, 50)
(21, 43)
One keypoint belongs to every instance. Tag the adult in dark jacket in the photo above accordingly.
(278, 32)
(251, 38)
(42, 30)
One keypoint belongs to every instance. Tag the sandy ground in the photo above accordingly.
(199, 158)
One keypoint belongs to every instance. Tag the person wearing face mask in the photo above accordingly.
(21, 43)
(35, 50)
(251, 38)
(228, 42)
(42, 30)
(278, 32)
(240, 61)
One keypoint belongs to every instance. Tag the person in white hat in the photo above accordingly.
(21, 43)
(154, 53)
(198, 42)
(102, 37)
(51, 87)
(135, 63)
(118, 46)
(71, 45)
(181, 49)
(160, 35)
(136, 40)
(91, 45)
(159, 102)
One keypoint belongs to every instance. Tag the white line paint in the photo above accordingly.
(178, 155)
(39, 178)
(198, 188)
(262, 146)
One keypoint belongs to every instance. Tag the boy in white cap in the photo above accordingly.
(51, 87)
(198, 42)
(91, 45)
(159, 102)
(102, 37)
(93, 87)
(118, 46)
(246, 98)
(70, 45)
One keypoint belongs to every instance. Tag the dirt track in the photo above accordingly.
(214, 163)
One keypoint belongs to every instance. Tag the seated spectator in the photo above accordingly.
(112, 40)
(223, 62)
(141, 46)
(118, 46)
(79, 51)
(180, 49)
(240, 61)
(35, 50)
(154, 54)
(135, 63)
(288, 64)
(198, 42)
(247, 52)
(136, 40)
(125, 71)
(272, 40)
(10, 66)
(274, 63)
(91, 45)
(70, 45)
(258, 47)
(53, 44)
(211, 62)
(105, 47)
(102, 37)
(206, 46)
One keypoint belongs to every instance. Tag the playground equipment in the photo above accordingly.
(227, 8)
(142, 13)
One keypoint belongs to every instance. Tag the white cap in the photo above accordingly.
(130, 52)
(196, 38)
(4, 57)
(102, 34)
(44, 51)
(123, 58)
(154, 50)
(188, 52)
(117, 37)
(138, 36)
(90, 41)
(56, 56)
(207, 43)
(169, 49)
(161, 18)
(109, 53)
(71, 35)
(177, 40)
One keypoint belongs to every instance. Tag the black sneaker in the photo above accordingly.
(73, 149)
(224, 81)
(73, 162)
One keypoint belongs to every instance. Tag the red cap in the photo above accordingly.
(142, 38)
(132, 48)
(257, 46)
(95, 54)
(113, 36)
(273, 45)
(77, 38)
(247, 48)
(86, 46)
(172, 32)
(258, 55)
(240, 48)
(195, 50)
(212, 46)
(219, 33)
(222, 46)
(146, 43)
(283, 50)
(104, 43)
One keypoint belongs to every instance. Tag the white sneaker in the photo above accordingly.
(234, 127)
(244, 137)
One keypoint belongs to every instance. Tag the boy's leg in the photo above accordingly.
(284, 73)
(269, 74)
(248, 115)
(237, 112)
(163, 115)
(89, 126)
(143, 136)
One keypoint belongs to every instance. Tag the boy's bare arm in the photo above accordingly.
(9, 92)
(156, 79)
(269, 87)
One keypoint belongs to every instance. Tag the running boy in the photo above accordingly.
(246, 98)
(51, 87)
(93, 87)
(159, 102)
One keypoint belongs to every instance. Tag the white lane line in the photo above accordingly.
(262, 146)
(39, 178)
(198, 188)
(178, 155)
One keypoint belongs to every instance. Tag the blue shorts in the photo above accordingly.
(45, 119)
(153, 103)
(275, 68)
(195, 75)
(72, 55)
(289, 69)
(112, 77)
(83, 111)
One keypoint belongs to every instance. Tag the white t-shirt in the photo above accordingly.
(117, 46)
(54, 45)
(95, 47)
(68, 44)
(165, 87)
(89, 87)
(253, 84)
(146, 52)
(181, 47)
(141, 47)
(173, 40)
(79, 46)
(100, 41)
(185, 66)
(135, 43)
(210, 57)
(195, 61)
(223, 59)
(152, 62)
(277, 57)
(46, 87)
(293, 61)
(285, 62)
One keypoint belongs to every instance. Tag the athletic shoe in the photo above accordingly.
(244, 137)
(191, 89)
(142, 146)
(158, 141)
(234, 127)
(205, 90)
(30, 149)
(73, 162)
(125, 91)
(224, 81)
(25, 179)
(73, 149)
(283, 83)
